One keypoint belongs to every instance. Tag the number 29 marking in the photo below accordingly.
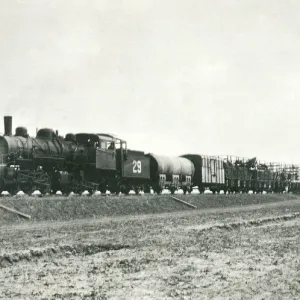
(137, 166)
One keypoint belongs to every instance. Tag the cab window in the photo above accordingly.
(111, 145)
(102, 145)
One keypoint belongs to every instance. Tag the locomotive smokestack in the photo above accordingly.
(8, 125)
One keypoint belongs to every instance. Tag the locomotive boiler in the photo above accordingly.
(31, 163)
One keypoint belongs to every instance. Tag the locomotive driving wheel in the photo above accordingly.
(23, 183)
(1, 185)
(43, 183)
(115, 185)
(115, 189)
(102, 188)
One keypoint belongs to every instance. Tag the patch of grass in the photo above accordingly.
(67, 208)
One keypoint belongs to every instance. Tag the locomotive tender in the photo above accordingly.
(99, 161)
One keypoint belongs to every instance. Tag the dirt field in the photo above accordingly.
(225, 251)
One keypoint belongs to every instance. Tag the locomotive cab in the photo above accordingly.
(103, 149)
(111, 152)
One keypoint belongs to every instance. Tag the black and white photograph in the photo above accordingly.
(149, 149)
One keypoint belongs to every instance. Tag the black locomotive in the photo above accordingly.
(98, 161)
(77, 162)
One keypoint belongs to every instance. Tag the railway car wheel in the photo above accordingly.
(115, 190)
(12, 190)
(158, 190)
(147, 189)
(124, 189)
(201, 190)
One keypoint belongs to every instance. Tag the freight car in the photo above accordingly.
(243, 175)
(171, 173)
(209, 172)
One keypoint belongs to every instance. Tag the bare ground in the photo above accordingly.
(238, 252)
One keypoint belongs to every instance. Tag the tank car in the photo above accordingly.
(171, 172)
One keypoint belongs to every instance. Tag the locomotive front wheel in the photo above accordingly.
(24, 183)
(1, 185)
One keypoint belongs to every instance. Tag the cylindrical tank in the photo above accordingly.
(170, 166)
(8, 125)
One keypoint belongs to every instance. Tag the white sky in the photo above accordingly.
(171, 77)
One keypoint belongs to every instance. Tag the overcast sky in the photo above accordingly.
(171, 77)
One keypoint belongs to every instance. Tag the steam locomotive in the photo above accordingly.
(99, 161)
